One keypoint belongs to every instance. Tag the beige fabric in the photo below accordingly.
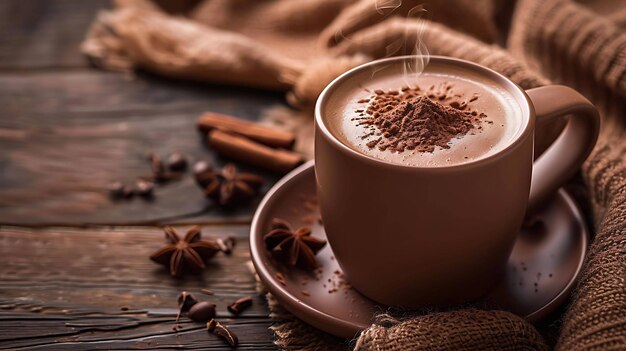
(276, 40)
(300, 45)
(137, 36)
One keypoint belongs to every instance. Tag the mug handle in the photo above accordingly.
(565, 156)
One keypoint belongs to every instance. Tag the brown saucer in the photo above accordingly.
(541, 272)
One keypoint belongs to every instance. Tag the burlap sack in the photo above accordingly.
(464, 330)
(573, 45)
(300, 45)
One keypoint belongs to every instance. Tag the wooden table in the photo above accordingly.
(74, 267)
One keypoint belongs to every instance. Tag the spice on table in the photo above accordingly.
(159, 174)
(119, 190)
(240, 305)
(250, 152)
(218, 329)
(294, 247)
(201, 167)
(207, 292)
(189, 253)
(263, 134)
(144, 188)
(227, 245)
(185, 302)
(201, 311)
(229, 187)
(177, 161)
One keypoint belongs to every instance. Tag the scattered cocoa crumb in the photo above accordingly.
(308, 219)
(373, 143)
(306, 293)
(310, 206)
(280, 278)
(459, 105)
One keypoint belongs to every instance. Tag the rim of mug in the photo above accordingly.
(520, 96)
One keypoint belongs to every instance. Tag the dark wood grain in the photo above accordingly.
(45, 34)
(66, 136)
(64, 285)
(66, 131)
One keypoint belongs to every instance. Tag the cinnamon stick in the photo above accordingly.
(245, 150)
(265, 135)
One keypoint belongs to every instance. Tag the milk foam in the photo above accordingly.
(503, 113)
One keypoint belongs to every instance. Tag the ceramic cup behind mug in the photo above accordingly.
(413, 224)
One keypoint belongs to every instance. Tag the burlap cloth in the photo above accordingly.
(299, 45)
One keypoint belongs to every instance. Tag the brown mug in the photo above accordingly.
(416, 236)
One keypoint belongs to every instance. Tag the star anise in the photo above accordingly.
(228, 186)
(189, 253)
(295, 247)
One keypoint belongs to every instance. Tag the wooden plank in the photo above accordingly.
(39, 94)
(36, 34)
(65, 288)
(253, 335)
(66, 136)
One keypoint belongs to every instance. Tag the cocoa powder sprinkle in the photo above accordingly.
(404, 121)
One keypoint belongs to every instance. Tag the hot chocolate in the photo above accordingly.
(442, 118)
